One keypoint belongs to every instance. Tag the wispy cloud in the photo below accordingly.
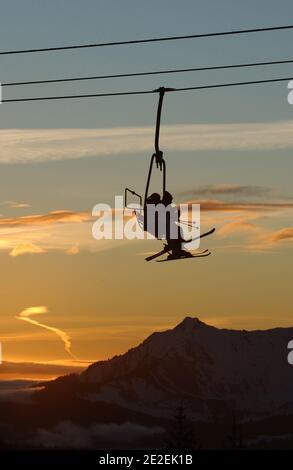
(283, 234)
(15, 204)
(270, 239)
(66, 231)
(239, 225)
(39, 233)
(219, 205)
(228, 190)
(250, 223)
(38, 145)
(71, 232)
(52, 217)
(26, 315)
(23, 248)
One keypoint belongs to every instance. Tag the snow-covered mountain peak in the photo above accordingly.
(190, 323)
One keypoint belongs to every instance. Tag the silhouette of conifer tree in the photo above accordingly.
(181, 433)
(235, 438)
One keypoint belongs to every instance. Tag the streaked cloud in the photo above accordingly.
(283, 234)
(46, 219)
(27, 313)
(255, 236)
(250, 223)
(242, 226)
(228, 190)
(35, 234)
(23, 248)
(71, 232)
(39, 145)
(219, 205)
(66, 231)
(270, 239)
(15, 204)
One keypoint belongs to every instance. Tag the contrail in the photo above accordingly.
(28, 312)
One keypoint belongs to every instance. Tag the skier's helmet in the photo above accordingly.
(167, 198)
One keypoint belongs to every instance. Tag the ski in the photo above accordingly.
(156, 255)
(166, 249)
(200, 255)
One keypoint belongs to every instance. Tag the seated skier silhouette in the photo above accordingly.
(173, 228)
(172, 232)
(154, 198)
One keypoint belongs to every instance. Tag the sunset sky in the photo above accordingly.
(229, 149)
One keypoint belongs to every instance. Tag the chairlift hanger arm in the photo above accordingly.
(158, 155)
(158, 152)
